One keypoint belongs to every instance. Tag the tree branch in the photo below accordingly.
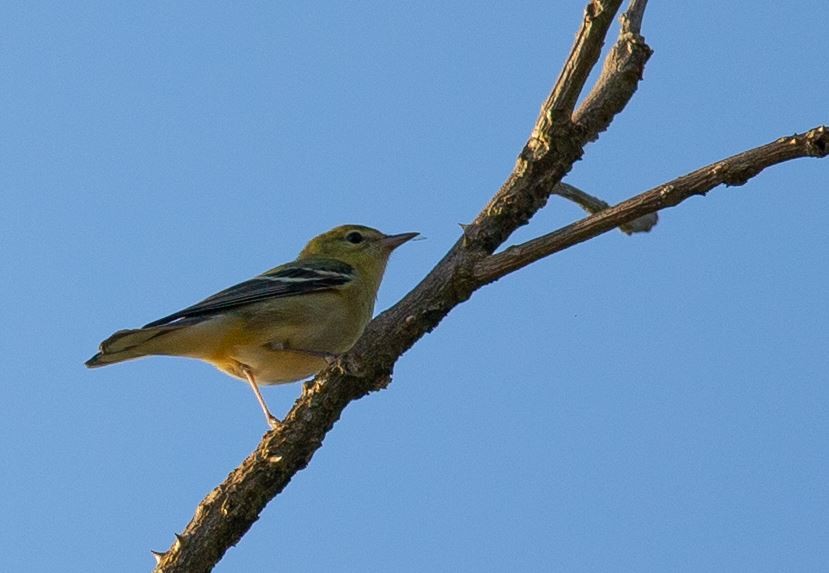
(557, 141)
(593, 205)
(620, 76)
(583, 56)
(733, 171)
(227, 512)
(223, 517)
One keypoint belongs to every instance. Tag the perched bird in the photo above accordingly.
(281, 326)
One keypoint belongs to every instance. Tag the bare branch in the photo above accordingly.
(621, 73)
(224, 516)
(229, 510)
(593, 205)
(556, 142)
(632, 18)
(583, 56)
(554, 147)
(733, 171)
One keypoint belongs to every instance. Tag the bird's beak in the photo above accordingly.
(394, 241)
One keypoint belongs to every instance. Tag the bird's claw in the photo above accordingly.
(274, 422)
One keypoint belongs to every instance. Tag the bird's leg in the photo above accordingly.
(272, 420)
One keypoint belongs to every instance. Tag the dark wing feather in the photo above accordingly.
(296, 278)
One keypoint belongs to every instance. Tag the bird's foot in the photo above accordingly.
(274, 422)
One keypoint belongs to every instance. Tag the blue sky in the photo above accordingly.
(656, 402)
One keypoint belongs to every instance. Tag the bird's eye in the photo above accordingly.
(354, 237)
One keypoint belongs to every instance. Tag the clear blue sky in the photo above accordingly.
(657, 402)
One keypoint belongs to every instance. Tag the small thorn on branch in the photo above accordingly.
(158, 555)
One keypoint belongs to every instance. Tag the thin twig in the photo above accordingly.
(735, 170)
(632, 18)
(557, 141)
(621, 73)
(593, 205)
(598, 16)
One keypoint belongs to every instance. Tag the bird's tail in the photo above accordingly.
(127, 344)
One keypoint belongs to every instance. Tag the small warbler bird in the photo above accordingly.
(281, 326)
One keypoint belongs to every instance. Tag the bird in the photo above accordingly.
(281, 326)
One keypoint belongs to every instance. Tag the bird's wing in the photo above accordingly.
(296, 278)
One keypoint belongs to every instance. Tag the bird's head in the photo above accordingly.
(360, 246)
